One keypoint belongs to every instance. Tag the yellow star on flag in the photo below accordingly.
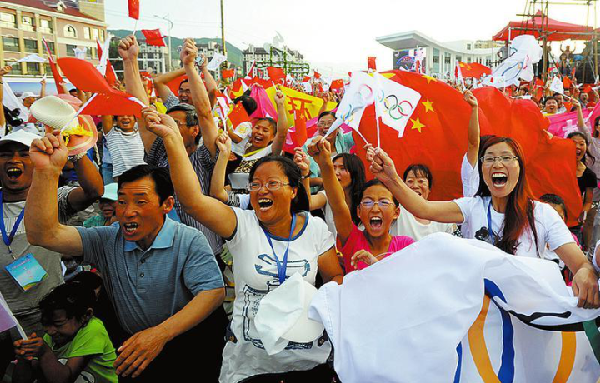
(428, 106)
(417, 124)
(429, 78)
(460, 64)
(386, 75)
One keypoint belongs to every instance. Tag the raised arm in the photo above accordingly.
(49, 155)
(200, 96)
(43, 88)
(3, 71)
(161, 81)
(128, 50)
(580, 121)
(217, 182)
(208, 211)
(211, 84)
(282, 124)
(91, 185)
(585, 279)
(301, 159)
(473, 148)
(107, 124)
(383, 168)
(320, 150)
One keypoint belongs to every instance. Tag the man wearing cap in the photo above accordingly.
(16, 253)
(192, 125)
(160, 275)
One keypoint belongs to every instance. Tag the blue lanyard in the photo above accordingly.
(281, 266)
(9, 238)
(490, 230)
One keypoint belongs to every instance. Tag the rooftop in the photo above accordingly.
(50, 6)
(413, 39)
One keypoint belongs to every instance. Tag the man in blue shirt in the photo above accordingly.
(161, 275)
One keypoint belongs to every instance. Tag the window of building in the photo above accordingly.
(459, 58)
(8, 20)
(10, 44)
(101, 34)
(436, 60)
(16, 68)
(33, 68)
(45, 26)
(70, 31)
(96, 35)
(27, 24)
(47, 69)
(71, 50)
(31, 46)
(469, 60)
(93, 52)
(86, 33)
(51, 46)
(468, 47)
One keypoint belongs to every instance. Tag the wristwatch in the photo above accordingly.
(77, 157)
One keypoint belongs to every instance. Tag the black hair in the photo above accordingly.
(182, 82)
(294, 176)
(73, 297)
(271, 121)
(355, 167)
(326, 113)
(556, 94)
(550, 98)
(248, 103)
(419, 169)
(555, 200)
(191, 116)
(160, 176)
(73, 90)
(587, 145)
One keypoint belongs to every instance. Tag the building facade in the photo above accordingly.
(440, 58)
(151, 59)
(24, 24)
(291, 61)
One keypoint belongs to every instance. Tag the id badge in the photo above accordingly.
(27, 272)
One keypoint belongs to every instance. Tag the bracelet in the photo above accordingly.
(77, 157)
(304, 177)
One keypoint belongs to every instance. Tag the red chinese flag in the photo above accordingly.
(227, 73)
(316, 74)
(110, 75)
(554, 170)
(301, 134)
(84, 76)
(587, 88)
(174, 84)
(474, 69)
(567, 82)
(371, 63)
(134, 9)
(112, 105)
(306, 79)
(337, 84)
(238, 115)
(276, 74)
(153, 37)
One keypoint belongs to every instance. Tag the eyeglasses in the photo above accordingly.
(489, 160)
(270, 185)
(324, 124)
(382, 203)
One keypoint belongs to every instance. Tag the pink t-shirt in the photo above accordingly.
(357, 241)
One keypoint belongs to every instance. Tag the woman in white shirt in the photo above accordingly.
(502, 212)
(269, 244)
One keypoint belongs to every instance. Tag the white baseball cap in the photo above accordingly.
(20, 136)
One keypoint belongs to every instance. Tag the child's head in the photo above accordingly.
(377, 208)
(557, 203)
(108, 202)
(65, 310)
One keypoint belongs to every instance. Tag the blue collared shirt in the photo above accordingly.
(147, 287)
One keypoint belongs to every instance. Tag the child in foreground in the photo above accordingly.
(75, 346)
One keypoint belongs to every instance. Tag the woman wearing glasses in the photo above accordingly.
(339, 142)
(502, 212)
(375, 208)
(269, 244)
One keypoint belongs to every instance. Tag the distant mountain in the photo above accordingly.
(234, 54)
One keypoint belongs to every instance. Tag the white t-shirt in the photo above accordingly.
(407, 225)
(126, 150)
(255, 274)
(239, 177)
(470, 177)
(244, 131)
(328, 216)
(551, 229)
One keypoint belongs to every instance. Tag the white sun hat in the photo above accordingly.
(28, 94)
(53, 112)
(282, 315)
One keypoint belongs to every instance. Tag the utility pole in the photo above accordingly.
(223, 30)
(170, 25)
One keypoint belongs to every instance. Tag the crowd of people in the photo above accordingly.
(132, 242)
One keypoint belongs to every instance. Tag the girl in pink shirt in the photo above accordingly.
(376, 209)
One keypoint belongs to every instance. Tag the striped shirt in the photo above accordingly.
(126, 150)
(203, 165)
